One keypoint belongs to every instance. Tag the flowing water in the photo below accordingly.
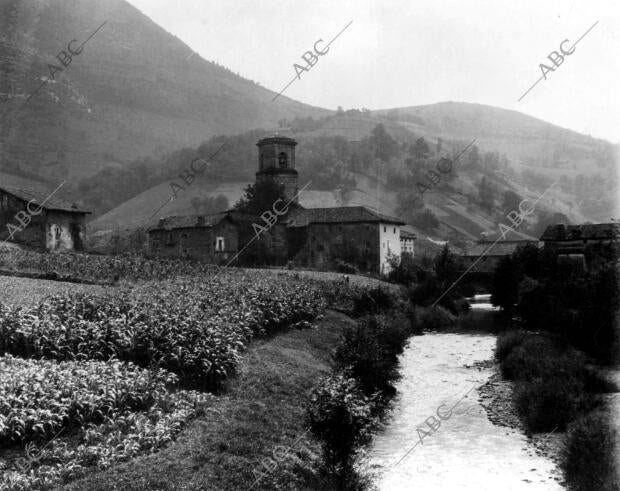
(465, 451)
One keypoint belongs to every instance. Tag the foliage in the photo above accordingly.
(369, 352)
(553, 384)
(426, 220)
(98, 412)
(192, 327)
(510, 201)
(372, 300)
(435, 318)
(340, 415)
(589, 457)
(558, 296)
(260, 197)
(348, 404)
(344, 267)
(101, 268)
(507, 341)
(486, 194)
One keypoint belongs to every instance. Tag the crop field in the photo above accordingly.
(91, 378)
(94, 267)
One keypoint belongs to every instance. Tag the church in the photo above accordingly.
(317, 238)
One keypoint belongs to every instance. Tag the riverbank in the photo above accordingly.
(255, 430)
(496, 396)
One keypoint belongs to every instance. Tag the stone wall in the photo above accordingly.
(354, 243)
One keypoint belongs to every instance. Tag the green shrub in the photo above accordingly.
(340, 416)
(372, 301)
(344, 267)
(547, 404)
(537, 356)
(369, 352)
(507, 341)
(434, 318)
(589, 460)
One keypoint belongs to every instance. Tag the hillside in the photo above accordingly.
(133, 91)
(348, 163)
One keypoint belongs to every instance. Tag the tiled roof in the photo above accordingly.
(404, 234)
(347, 214)
(576, 232)
(201, 221)
(42, 198)
(499, 249)
(512, 234)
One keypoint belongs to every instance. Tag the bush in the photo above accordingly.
(369, 352)
(588, 458)
(434, 318)
(344, 267)
(373, 300)
(340, 416)
(507, 341)
(548, 404)
(537, 356)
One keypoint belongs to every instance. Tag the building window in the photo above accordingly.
(283, 160)
(384, 229)
(394, 229)
(4, 202)
(219, 244)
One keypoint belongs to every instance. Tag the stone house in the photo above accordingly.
(308, 237)
(36, 219)
(574, 239)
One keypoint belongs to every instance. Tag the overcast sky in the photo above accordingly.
(410, 52)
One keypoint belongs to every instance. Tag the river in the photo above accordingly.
(466, 451)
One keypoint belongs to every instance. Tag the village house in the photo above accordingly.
(407, 240)
(584, 245)
(574, 239)
(307, 237)
(46, 222)
(488, 251)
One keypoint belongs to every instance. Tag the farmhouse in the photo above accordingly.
(309, 237)
(407, 239)
(487, 252)
(574, 239)
(33, 218)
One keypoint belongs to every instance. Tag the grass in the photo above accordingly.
(263, 408)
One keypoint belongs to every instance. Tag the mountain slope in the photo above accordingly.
(132, 92)
(341, 142)
(527, 141)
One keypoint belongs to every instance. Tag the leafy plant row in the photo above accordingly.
(111, 411)
(193, 328)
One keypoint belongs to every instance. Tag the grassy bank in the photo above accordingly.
(557, 389)
(249, 428)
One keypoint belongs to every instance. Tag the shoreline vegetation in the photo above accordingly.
(555, 357)
(284, 387)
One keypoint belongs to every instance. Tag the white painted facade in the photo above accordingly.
(389, 244)
(406, 245)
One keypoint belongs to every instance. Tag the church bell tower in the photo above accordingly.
(276, 163)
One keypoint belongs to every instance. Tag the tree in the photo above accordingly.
(385, 147)
(511, 201)
(260, 197)
(446, 266)
(420, 149)
(486, 194)
(426, 220)
(505, 289)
